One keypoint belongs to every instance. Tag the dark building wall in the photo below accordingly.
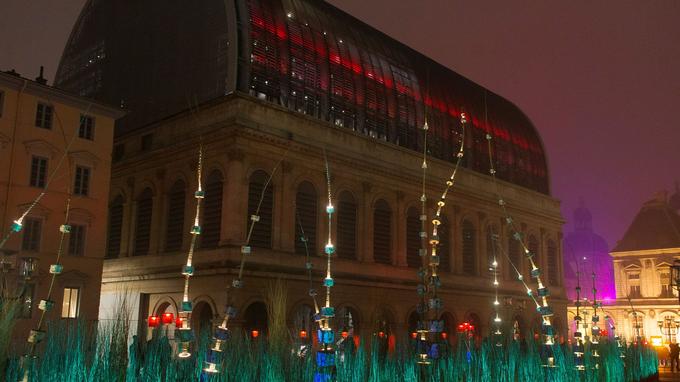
(157, 58)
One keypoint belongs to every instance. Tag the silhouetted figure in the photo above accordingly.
(674, 354)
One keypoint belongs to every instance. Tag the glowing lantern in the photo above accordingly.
(178, 322)
(255, 333)
(414, 335)
(445, 335)
(168, 318)
(153, 321)
(303, 334)
(381, 334)
(344, 334)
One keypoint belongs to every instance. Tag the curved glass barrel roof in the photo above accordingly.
(157, 58)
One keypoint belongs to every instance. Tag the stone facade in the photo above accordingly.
(37, 124)
(242, 137)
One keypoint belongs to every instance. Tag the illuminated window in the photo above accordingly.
(86, 129)
(43, 116)
(71, 303)
(76, 240)
(81, 185)
(38, 172)
(666, 290)
(634, 285)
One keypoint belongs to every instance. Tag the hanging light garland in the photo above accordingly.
(595, 328)
(325, 355)
(222, 333)
(429, 334)
(497, 334)
(578, 347)
(183, 323)
(543, 307)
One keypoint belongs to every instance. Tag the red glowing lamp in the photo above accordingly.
(255, 333)
(414, 335)
(445, 335)
(154, 321)
(303, 334)
(178, 322)
(381, 334)
(604, 333)
(344, 334)
(168, 318)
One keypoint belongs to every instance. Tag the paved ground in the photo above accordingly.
(667, 376)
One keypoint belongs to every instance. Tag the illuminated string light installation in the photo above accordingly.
(595, 328)
(303, 347)
(578, 347)
(325, 355)
(543, 307)
(36, 335)
(497, 334)
(222, 333)
(430, 328)
(184, 332)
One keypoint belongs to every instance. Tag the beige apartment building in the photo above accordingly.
(38, 124)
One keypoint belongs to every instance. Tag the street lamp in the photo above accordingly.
(668, 327)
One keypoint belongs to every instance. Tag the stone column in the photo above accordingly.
(234, 201)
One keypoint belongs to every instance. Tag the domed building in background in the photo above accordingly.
(587, 252)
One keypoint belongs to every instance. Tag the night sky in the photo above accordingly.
(599, 79)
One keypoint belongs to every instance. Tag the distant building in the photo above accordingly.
(37, 123)
(642, 259)
(253, 80)
(587, 252)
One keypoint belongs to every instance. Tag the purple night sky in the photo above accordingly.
(600, 80)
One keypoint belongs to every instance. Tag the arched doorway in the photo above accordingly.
(256, 319)
(201, 318)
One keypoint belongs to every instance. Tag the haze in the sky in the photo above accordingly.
(599, 79)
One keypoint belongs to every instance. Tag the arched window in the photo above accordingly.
(444, 247)
(305, 216)
(449, 324)
(143, 223)
(115, 227)
(469, 249)
(347, 226)
(473, 319)
(211, 224)
(261, 236)
(553, 270)
(382, 232)
(346, 314)
(515, 256)
(413, 243)
(174, 229)
(413, 319)
(532, 245)
(303, 320)
(255, 317)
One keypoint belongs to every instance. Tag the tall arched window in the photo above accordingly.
(115, 227)
(211, 224)
(347, 226)
(444, 247)
(553, 270)
(256, 318)
(143, 223)
(262, 232)
(382, 232)
(515, 256)
(305, 218)
(174, 229)
(413, 238)
(532, 245)
(469, 249)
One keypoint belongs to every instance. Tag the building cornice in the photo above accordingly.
(646, 252)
